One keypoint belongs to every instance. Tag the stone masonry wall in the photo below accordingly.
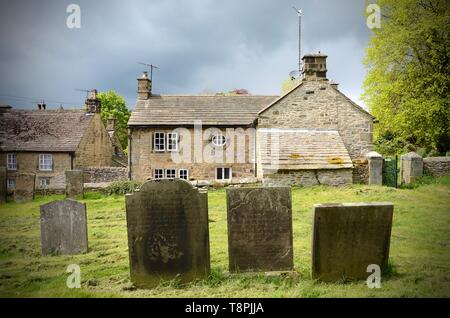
(105, 174)
(336, 177)
(436, 166)
(317, 105)
(95, 149)
(144, 159)
(28, 162)
(361, 171)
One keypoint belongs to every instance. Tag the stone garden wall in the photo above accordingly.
(436, 166)
(105, 174)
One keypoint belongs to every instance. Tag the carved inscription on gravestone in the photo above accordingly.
(64, 228)
(168, 235)
(349, 237)
(260, 229)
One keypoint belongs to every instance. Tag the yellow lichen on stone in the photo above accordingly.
(335, 160)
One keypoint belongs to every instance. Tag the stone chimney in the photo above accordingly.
(111, 124)
(144, 86)
(314, 67)
(93, 104)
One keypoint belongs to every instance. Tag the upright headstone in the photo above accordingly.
(375, 168)
(25, 187)
(168, 236)
(74, 184)
(260, 229)
(411, 168)
(64, 228)
(3, 186)
(349, 237)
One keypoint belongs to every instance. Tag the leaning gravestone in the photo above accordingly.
(349, 237)
(74, 184)
(168, 233)
(25, 186)
(260, 229)
(64, 228)
(3, 187)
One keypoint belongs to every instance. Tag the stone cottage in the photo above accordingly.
(313, 134)
(49, 142)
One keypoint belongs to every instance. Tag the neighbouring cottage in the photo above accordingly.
(49, 142)
(311, 135)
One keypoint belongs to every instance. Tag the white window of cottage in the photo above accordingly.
(183, 174)
(159, 141)
(158, 174)
(45, 162)
(219, 140)
(44, 182)
(172, 141)
(171, 173)
(11, 183)
(11, 161)
(223, 174)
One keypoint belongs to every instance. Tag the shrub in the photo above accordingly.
(122, 187)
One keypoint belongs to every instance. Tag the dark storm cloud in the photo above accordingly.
(198, 45)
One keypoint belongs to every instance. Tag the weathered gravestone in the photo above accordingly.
(25, 186)
(74, 184)
(349, 237)
(64, 228)
(3, 187)
(260, 229)
(168, 234)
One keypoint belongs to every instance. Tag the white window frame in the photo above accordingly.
(223, 174)
(11, 161)
(159, 137)
(166, 174)
(44, 184)
(183, 170)
(45, 162)
(158, 174)
(222, 138)
(172, 141)
(11, 183)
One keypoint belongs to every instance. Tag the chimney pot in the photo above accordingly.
(93, 104)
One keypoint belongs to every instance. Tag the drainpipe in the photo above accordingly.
(129, 154)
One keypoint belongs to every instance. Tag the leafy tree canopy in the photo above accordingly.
(113, 106)
(407, 84)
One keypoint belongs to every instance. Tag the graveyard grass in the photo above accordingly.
(419, 256)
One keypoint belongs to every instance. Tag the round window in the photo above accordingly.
(219, 140)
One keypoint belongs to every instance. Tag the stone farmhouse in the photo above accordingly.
(313, 134)
(49, 142)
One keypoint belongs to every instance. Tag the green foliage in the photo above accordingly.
(407, 85)
(122, 187)
(113, 106)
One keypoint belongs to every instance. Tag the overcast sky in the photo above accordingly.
(199, 45)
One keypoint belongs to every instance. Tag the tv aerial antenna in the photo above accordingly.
(84, 90)
(297, 73)
(151, 66)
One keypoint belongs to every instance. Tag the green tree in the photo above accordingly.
(407, 84)
(113, 106)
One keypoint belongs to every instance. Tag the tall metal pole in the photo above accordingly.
(299, 13)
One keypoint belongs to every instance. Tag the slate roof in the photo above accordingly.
(211, 110)
(295, 149)
(46, 130)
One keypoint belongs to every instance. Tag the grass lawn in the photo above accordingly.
(420, 250)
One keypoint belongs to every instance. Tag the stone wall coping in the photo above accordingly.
(354, 204)
(445, 159)
(411, 155)
(373, 154)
